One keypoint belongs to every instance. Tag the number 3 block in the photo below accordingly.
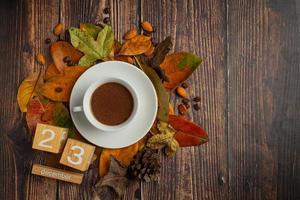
(77, 155)
(49, 138)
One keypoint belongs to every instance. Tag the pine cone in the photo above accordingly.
(145, 165)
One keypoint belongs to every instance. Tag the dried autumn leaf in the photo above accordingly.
(45, 111)
(187, 132)
(178, 67)
(34, 114)
(165, 139)
(28, 89)
(160, 52)
(74, 72)
(61, 118)
(162, 95)
(61, 49)
(59, 88)
(123, 155)
(127, 59)
(51, 71)
(114, 184)
(136, 46)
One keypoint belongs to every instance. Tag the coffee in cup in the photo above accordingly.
(109, 104)
(112, 103)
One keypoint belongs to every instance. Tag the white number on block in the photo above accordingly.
(51, 137)
(77, 155)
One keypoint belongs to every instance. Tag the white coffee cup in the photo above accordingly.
(87, 109)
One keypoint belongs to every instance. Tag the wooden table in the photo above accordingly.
(249, 84)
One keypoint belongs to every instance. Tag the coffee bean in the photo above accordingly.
(70, 63)
(106, 10)
(98, 61)
(58, 89)
(196, 99)
(67, 36)
(146, 33)
(182, 109)
(106, 20)
(47, 40)
(67, 59)
(154, 29)
(184, 85)
(196, 107)
(185, 101)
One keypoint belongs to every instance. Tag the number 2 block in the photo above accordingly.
(77, 155)
(49, 138)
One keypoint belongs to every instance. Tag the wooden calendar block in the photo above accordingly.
(54, 173)
(49, 138)
(77, 155)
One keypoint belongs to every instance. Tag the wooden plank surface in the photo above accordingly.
(194, 172)
(263, 94)
(248, 83)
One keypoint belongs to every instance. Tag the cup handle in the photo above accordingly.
(77, 109)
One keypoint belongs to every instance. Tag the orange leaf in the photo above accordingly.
(123, 155)
(74, 72)
(178, 67)
(127, 59)
(59, 88)
(135, 46)
(51, 71)
(61, 49)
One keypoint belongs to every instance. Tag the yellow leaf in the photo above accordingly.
(28, 89)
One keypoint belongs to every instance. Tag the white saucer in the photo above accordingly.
(140, 124)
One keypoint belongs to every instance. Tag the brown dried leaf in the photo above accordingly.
(123, 155)
(61, 49)
(135, 46)
(114, 184)
(51, 71)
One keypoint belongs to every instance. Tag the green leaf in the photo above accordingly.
(105, 41)
(62, 118)
(86, 60)
(90, 29)
(190, 60)
(162, 94)
(93, 49)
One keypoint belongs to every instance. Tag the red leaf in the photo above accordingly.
(35, 110)
(186, 140)
(187, 133)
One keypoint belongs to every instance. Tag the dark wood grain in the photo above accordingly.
(198, 27)
(248, 84)
(263, 93)
(21, 40)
